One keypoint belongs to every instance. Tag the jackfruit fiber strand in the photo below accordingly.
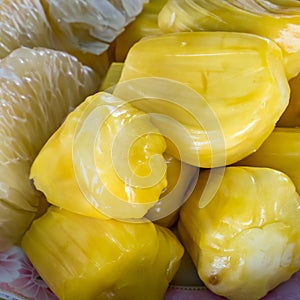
(83, 28)
(38, 88)
(90, 25)
(24, 23)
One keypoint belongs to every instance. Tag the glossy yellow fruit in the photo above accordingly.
(216, 95)
(38, 88)
(276, 20)
(146, 24)
(291, 116)
(180, 176)
(87, 258)
(106, 159)
(246, 240)
(281, 151)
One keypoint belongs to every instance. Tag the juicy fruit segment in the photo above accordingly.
(106, 161)
(83, 28)
(180, 176)
(278, 21)
(23, 23)
(226, 90)
(246, 240)
(90, 26)
(38, 88)
(87, 28)
(87, 258)
(279, 151)
(145, 24)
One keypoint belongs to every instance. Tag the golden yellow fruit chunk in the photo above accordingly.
(87, 258)
(180, 176)
(276, 20)
(215, 95)
(106, 159)
(38, 88)
(280, 151)
(246, 241)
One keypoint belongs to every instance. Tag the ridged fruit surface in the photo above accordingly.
(276, 20)
(87, 258)
(38, 88)
(216, 95)
(106, 161)
(246, 241)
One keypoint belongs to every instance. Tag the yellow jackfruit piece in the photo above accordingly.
(106, 161)
(276, 20)
(87, 258)
(216, 96)
(246, 240)
(280, 151)
(180, 176)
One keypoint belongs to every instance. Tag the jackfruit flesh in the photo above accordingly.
(106, 161)
(246, 240)
(87, 258)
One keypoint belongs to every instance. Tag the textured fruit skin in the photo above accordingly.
(247, 239)
(90, 26)
(87, 258)
(38, 88)
(227, 90)
(276, 21)
(280, 151)
(24, 23)
(90, 151)
(82, 28)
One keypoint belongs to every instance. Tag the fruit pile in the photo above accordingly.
(125, 121)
